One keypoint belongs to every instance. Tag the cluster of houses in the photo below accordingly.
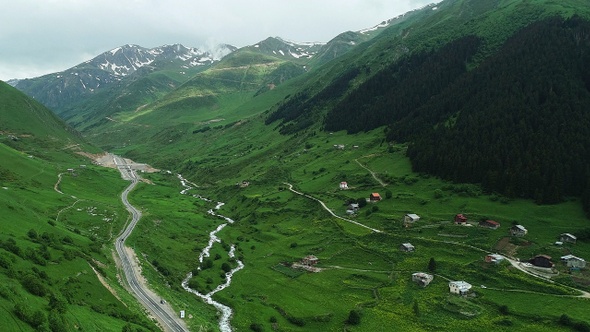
(455, 287)
(342, 146)
(461, 219)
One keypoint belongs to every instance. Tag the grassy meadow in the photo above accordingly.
(361, 271)
(52, 245)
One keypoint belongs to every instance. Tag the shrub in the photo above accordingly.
(354, 317)
(32, 234)
(565, 320)
(432, 265)
(33, 284)
(296, 320)
(438, 193)
(504, 310)
(256, 327)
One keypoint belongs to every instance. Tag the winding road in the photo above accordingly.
(147, 298)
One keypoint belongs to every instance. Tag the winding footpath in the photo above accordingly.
(373, 174)
(146, 297)
(330, 211)
(515, 263)
(226, 312)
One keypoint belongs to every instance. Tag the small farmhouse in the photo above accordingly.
(374, 197)
(494, 258)
(573, 262)
(567, 237)
(411, 218)
(541, 261)
(310, 260)
(422, 279)
(407, 247)
(489, 224)
(460, 219)
(518, 230)
(352, 208)
(459, 287)
(343, 185)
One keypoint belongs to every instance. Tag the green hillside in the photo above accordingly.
(55, 227)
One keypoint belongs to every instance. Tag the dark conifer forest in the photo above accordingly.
(517, 122)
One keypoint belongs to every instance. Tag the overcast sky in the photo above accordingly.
(38, 37)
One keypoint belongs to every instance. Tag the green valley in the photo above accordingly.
(332, 177)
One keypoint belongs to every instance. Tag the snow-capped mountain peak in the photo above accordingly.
(124, 60)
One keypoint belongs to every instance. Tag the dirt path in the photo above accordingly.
(330, 211)
(373, 174)
(106, 285)
(56, 186)
(358, 270)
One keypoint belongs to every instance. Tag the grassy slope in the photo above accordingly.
(54, 240)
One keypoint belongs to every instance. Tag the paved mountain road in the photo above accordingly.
(163, 313)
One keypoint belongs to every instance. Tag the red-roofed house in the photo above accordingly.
(489, 224)
(460, 219)
(375, 197)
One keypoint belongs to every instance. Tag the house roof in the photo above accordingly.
(422, 275)
(462, 285)
(571, 257)
(569, 235)
(496, 256)
(543, 256)
(407, 245)
(519, 227)
(375, 195)
(413, 216)
(493, 222)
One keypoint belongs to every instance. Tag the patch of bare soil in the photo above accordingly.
(506, 247)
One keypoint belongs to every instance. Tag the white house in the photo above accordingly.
(567, 237)
(518, 230)
(411, 218)
(494, 258)
(343, 185)
(573, 262)
(422, 279)
(459, 287)
(407, 247)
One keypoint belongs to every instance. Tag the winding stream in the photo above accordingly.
(226, 312)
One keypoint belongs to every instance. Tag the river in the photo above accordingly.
(226, 312)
